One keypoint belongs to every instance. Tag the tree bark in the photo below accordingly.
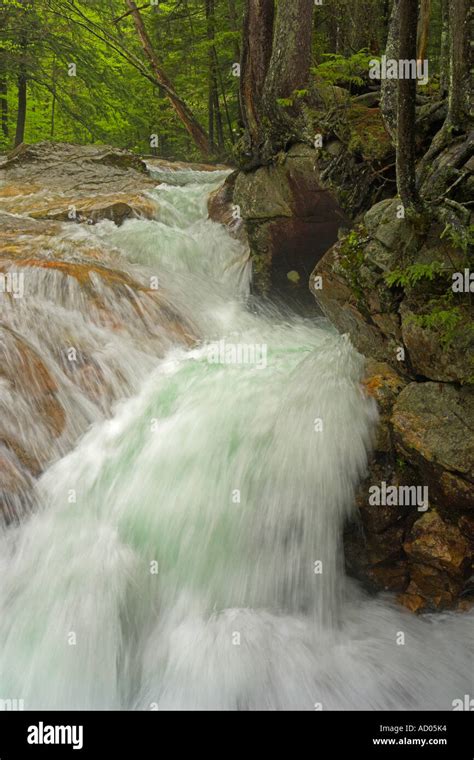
(460, 57)
(444, 48)
(4, 104)
(423, 29)
(234, 26)
(458, 118)
(275, 63)
(214, 106)
(184, 113)
(21, 113)
(406, 168)
(256, 54)
(291, 53)
(388, 87)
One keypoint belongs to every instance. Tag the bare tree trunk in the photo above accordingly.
(460, 55)
(406, 168)
(444, 47)
(275, 63)
(291, 53)
(234, 26)
(184, 113)
(224, 98)
(423, 29)
(458, 118)
(288, 71)
(21, 113)
(214, 107)
(4, 104)
(256, 54)
(388, 100)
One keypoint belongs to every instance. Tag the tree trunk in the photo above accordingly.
(214, 106)
(21, 114)
(224, 98)
(234, 24)
(388, 87)
(444, 48)
(291, 53)
(288, 71)
(256, 54)
(460, 55)
(184, 113)
(406, 168)
(4, 104)
(22, 83)
(423, 29)
(458, 118)
(53, 112)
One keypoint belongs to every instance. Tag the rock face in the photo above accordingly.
(421, 316)
(290, 219)
(387, 284)
(424, 441)
(432, 425)
(66, 182)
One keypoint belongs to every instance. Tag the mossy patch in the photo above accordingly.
(367, 134)
(350, 260)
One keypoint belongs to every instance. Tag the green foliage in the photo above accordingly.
(460, 236)
(111, 99)
(344, 71)
(414, 274)
(285, 102)
(351, 258)
(445, 321)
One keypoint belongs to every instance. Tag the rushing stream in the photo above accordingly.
(187, 553)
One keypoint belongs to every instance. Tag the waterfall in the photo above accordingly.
(187, 552)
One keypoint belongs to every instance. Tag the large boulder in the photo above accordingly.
(291, 219)
(433, 425)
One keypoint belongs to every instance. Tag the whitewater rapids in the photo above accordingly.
(187, 553)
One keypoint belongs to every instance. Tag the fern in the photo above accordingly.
(338, 70)
(413, 274)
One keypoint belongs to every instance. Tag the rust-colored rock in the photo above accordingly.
(116, 207)
(16, 486)
(438, 544)
(27, 374)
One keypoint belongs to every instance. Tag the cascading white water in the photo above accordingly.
(200, 564)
